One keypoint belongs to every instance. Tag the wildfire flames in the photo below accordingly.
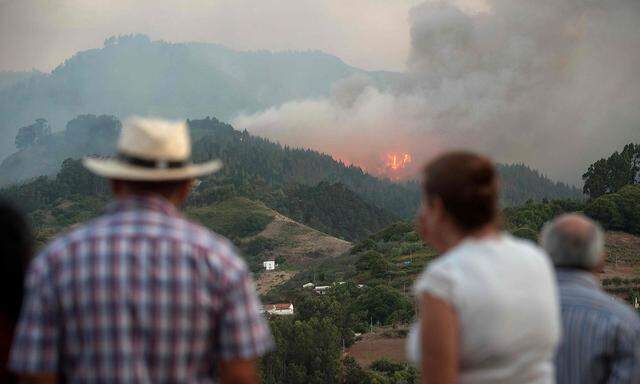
(396, 166)
(397, 161)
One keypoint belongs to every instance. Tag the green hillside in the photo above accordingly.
(395, 257)
(392, 257)
(264, 234)
(233, 218)
(334, 209)
(260, 232)
(262, 170)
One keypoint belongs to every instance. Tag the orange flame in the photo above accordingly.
(397, 161)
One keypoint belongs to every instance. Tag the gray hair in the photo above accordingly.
(574, 241)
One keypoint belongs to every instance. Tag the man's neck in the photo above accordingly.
(125, 195)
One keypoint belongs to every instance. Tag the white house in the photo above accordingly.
(322, 289)
(281, 309)
(269, 265)
(308, 285)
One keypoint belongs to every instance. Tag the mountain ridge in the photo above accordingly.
(264, 170)
(132, 75)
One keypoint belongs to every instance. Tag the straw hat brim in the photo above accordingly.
(119, 170)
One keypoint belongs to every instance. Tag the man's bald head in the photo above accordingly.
(574, 241)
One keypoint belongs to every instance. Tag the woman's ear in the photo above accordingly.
(437, 211)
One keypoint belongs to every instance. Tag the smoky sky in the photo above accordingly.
(551, 83)
(372, 34)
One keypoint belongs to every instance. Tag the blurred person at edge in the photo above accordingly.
(488, 306)
(141, 294)
(600, 334)
(15, 253)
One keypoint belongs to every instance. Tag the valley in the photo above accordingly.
(321, 222)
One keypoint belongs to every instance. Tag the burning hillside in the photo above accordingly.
(397, 166)
(510, 80)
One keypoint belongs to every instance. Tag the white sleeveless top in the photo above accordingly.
(504, 292)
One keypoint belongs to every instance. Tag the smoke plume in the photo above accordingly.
(551, 83)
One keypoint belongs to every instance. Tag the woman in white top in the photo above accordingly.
(488, 306)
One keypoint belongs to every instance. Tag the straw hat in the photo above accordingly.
(152, 150)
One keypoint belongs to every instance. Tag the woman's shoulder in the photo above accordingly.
(474, 254)
(457, 257)
(441, 277)
(525, 249)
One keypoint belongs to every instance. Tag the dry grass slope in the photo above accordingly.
(299, 243)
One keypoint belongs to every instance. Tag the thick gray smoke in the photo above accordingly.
(552, 83)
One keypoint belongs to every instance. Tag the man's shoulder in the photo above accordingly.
(218, 247)
(61, 243)
(219, 253)
(626, 315)
(625, 319)
(600, 304)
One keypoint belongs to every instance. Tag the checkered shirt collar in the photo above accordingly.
(143, 203)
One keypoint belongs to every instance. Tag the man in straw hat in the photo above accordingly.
(141, 294)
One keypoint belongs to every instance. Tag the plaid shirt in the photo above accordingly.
(138, 295)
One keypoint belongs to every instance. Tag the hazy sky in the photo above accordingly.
(372, 34)
(552, 83)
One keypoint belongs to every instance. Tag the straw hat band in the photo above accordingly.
(152, 150)
(153, 164)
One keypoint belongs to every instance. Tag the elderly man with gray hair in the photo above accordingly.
(601, 335)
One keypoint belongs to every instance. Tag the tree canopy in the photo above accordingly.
(613, 173)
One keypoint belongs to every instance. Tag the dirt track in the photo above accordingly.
(623, 256)
(270, 279)
(375, 346)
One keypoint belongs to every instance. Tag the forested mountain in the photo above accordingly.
(260, 169)
(521, 183)
(75, 194)
(255, 165)
(133, 75)
(334, 209)
(42, 152)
